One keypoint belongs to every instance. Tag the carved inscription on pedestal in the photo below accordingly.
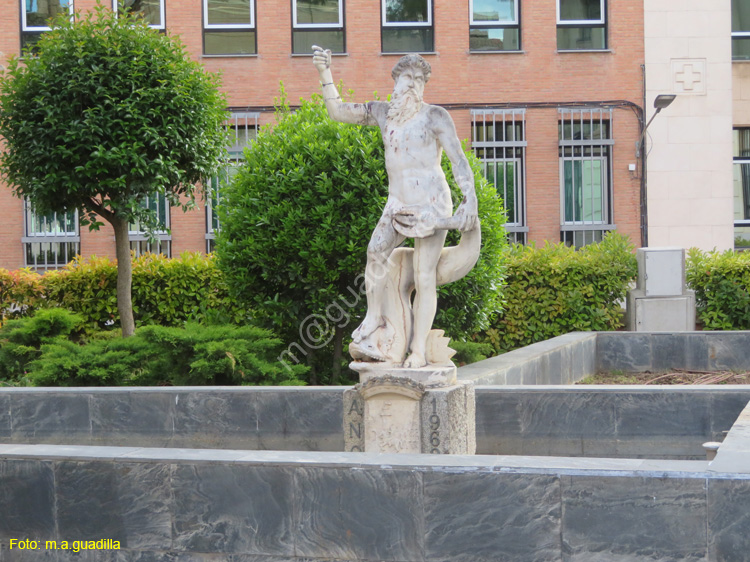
(354, 422)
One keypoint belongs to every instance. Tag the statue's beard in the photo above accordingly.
(404, 106)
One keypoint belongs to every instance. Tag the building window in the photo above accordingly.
(742, 189)
(152, 11)
(318, 22)
(245, 127)
(585, 181)
(498, 139)
(229, 27)
(35, 18)
(50, 240)
(494, 25)
(581, 25)
(161, 241)
(740, 30)
(407, 26)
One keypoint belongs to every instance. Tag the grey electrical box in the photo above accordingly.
(661, 271)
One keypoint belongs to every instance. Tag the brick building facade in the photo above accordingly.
(548, 93)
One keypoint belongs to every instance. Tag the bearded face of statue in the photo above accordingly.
(406, 100)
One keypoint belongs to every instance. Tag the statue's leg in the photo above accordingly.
(426, 257)
(383, 241)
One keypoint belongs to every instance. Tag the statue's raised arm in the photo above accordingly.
(356, 113)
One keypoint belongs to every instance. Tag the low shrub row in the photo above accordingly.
(166, 291)
(556, 289)
(51, 348)
(721, 281)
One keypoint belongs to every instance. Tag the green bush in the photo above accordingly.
(156, 355)
(21, 291)
(555, 289)
(22, 339)
(165, 291)
(296, 222)
(721, 281)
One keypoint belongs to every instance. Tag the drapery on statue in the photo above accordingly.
(419, 206)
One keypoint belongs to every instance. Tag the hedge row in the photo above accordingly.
(52, 348)
(165, 291)
(721, 281)
(556, 289)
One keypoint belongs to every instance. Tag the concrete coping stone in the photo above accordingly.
(733, 455)
(460, 463)
(613, 388)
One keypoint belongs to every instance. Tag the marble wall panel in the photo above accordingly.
(485, 517)
(127, 502)
(624, 351)
(359, 514)
(27, 500)
(216, 420)
(664, 414)
(728, 351)
(621, 519)
(668, 351)
(728, 519)
(142, 419)
(4, 418)
(301, 420)
(233, 508)
(725, 408)
(51, 418)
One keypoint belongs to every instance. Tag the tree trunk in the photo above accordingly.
(124, 276)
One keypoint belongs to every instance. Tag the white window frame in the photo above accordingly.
(604, 179)
(428, 23)
(339, 25)
(512, 22)
(587, 115)
(47, 237)
(162, 14)
(576, 23)
(517, 224)
(207, 25)
(34, 29)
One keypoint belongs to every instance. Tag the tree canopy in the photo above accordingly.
(105, 112)
(295, 224)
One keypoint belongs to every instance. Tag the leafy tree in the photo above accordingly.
(295, 224)
(106, 112)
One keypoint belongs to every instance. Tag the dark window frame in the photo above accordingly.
(602, 23)
(515, 25)
(408, 26)
(298, 27)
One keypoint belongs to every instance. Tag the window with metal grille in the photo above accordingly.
(229, 27)
(35, 18)
(740, 30)
(50, 240)
(498, 139)
(581, 25)
(742, 189)
(161, 240)
(407, 26)
(245, 127)
(318, 22)
(494, 25)
(152, 11)
(585, 140)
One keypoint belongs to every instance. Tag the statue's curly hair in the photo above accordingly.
(411, 61)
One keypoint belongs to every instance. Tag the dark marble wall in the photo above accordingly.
(330, 507)
(606, 421)
(648, 422)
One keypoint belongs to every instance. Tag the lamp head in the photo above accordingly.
(663, 100)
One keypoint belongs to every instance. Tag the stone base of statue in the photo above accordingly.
(393, 413)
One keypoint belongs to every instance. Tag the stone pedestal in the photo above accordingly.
(392, 414)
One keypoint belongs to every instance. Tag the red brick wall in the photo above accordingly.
(538, 74)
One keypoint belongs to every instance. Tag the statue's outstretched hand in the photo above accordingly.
(321, 58)
(467, 214)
